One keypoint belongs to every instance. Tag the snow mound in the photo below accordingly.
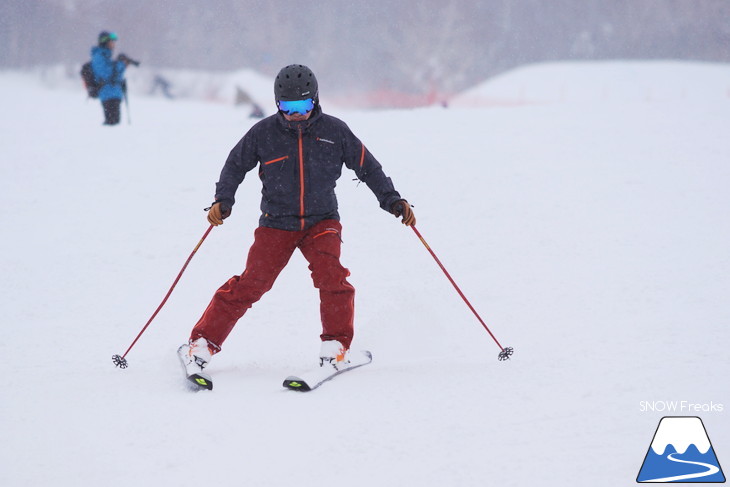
(605, 81)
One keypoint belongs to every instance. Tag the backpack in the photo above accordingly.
(92, 86)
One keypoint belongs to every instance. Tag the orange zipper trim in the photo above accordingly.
(275, 160)
(325, 232)
(301, 181)
(362, 155)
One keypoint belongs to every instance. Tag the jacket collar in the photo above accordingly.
(304, 125)
(104, 51)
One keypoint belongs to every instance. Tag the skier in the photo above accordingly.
(110, 73)
(299, 152)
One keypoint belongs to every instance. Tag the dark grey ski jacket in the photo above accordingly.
(299, 164)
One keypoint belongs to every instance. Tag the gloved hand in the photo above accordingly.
(127, 60)
(402, 208)
(218, 212)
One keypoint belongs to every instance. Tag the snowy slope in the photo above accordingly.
(592, 237)
(601, 81)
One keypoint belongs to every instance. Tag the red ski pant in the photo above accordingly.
(268, 255)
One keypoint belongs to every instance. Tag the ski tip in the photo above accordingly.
(201, 382)
(296, 384)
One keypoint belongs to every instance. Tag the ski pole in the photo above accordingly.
(126, 102)
(121, 361)
(504, 353)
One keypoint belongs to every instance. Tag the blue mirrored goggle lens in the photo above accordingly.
(296, 106)
(113, 36)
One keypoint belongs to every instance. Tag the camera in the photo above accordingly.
(126, 59)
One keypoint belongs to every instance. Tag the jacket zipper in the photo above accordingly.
(276, 160)
(301, 181)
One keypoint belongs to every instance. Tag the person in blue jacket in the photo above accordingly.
(110, 73)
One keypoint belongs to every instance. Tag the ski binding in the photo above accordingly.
(312, 380)
(196, 380)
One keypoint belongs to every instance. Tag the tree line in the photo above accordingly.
(414, 47)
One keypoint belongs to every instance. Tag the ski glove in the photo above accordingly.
(217, 213)
(402, 208)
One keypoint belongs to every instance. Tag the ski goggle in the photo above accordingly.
(296, 106)
(112, 36)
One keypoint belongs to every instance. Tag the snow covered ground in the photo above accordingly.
(591, 234)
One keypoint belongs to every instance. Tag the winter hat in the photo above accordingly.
(105, 37)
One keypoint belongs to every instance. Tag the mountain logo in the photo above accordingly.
(680, 452)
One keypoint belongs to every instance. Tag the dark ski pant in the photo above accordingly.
(268, 255)
(111, 111)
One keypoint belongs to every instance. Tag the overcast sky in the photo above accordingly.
(430, 45)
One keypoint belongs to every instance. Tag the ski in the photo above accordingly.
(196, 381)
(312, 380)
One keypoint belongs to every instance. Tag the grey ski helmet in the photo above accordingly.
(295, 82)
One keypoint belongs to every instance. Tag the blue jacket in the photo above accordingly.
(109, 73)
(299, 164)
